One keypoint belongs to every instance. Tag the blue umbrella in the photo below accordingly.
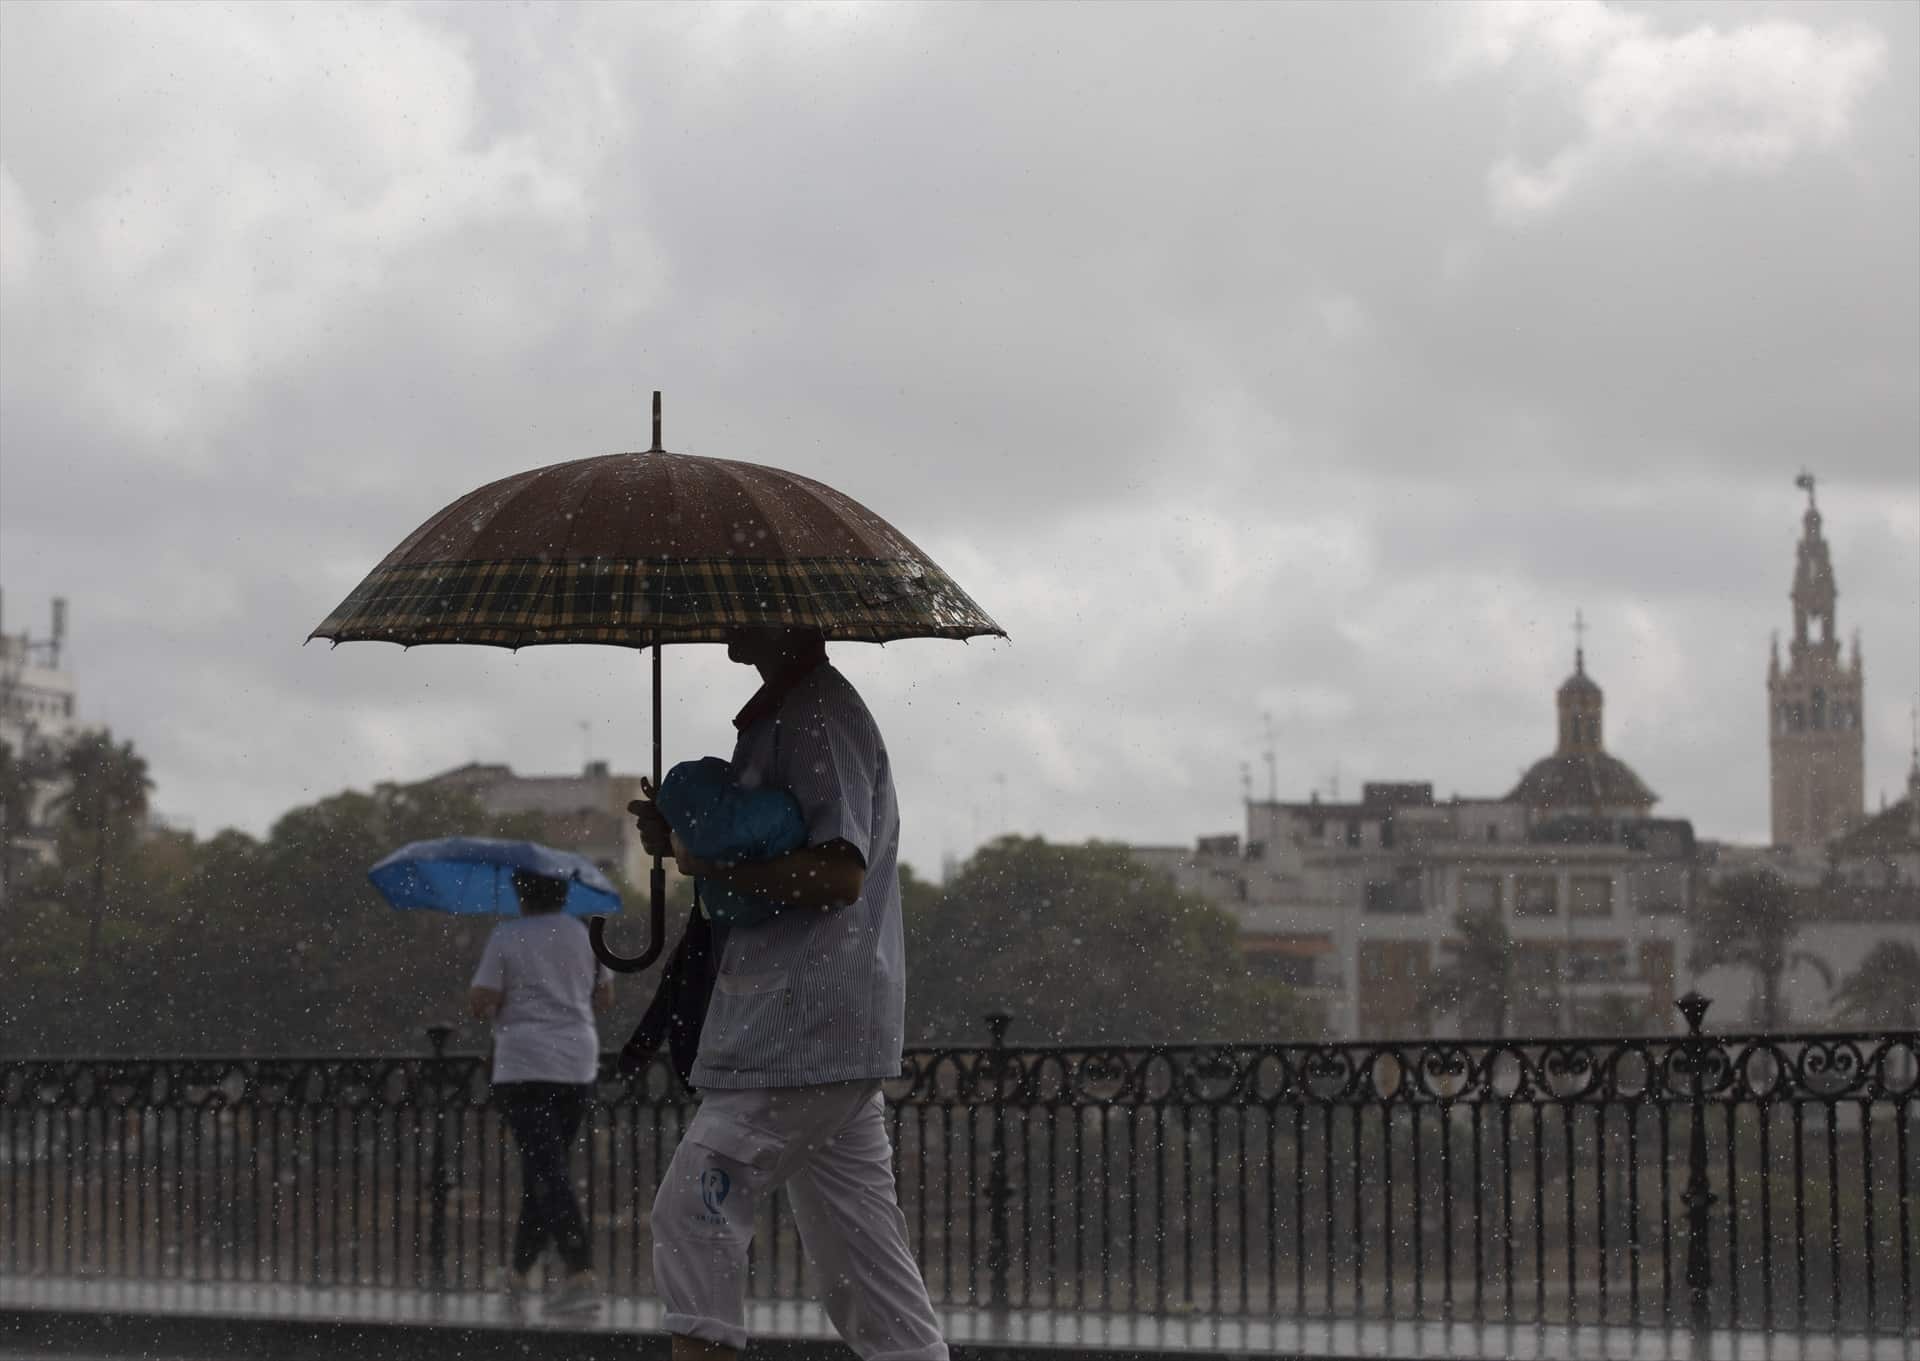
(473, 876)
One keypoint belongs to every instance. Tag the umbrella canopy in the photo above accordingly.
(649, 548)
(644, 549)
(473, 876)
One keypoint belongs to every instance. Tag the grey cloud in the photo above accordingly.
(1187, 335)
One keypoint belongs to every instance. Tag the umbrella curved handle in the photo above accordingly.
(656, 931)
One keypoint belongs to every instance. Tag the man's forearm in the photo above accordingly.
(818, 877)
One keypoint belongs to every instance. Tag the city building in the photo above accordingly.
(1816, 742)
(1863, 892)
(1354, 903)
(37, 697)
(1884, 851)
(1868, 895)
(38, 718)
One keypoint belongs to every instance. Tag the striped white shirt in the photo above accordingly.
(816, 996)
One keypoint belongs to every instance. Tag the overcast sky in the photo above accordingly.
(1308, 361)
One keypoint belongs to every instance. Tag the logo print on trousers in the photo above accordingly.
(714, 1185)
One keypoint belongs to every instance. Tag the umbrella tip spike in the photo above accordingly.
(656, 423)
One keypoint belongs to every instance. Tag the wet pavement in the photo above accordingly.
(213, 1319)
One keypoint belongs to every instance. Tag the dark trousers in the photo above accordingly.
(544, 1118)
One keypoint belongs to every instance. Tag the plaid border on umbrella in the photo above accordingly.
(640, 602)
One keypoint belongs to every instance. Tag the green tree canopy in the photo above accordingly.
(238, 944)
(1079, 943)
(16, 800)
(279, 944)
(102, 811)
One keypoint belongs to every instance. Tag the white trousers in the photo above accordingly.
(828, 1146)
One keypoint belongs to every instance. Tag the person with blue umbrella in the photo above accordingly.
(540, 987)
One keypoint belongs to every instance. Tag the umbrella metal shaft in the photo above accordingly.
(657, 888)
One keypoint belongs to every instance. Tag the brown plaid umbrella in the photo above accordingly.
(644, 549)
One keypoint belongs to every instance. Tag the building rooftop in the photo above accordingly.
(1891, 831)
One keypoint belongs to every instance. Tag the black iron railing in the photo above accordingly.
(1745, 1181)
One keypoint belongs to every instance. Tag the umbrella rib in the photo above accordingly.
(771, 510)
(534, 489)
(582, 488)
(668, 509)
(776, 534)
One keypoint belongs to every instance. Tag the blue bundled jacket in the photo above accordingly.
(722, 822)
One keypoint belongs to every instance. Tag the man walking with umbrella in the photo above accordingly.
(806, 1019)
(654, 548)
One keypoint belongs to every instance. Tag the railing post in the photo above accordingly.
(998, 1193)
(1698, 1196)
(437, 1036)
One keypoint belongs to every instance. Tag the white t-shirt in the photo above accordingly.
(545, 971)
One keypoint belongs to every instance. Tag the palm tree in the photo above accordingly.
(104, 804)
(1474, 979)
(1884, 991)
(1749, 920)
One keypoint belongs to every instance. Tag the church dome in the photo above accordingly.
(1580, 776)
(1582, 781)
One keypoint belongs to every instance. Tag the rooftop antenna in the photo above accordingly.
(1913, 773)
(1246, 782)
(656, 424)
(1579, 642)
(586, 743)
(56, 644)
(1272, 758)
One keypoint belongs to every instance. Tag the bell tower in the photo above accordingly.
(1817, 746)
